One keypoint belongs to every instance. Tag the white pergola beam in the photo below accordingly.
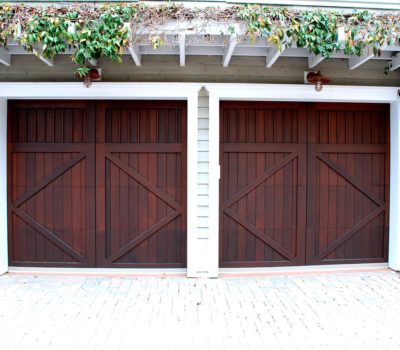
(134, 50)
(314, 60)
(48, 61)
(182, 53)
(229, 50)
(5, 57)
(394, 63)
(273, 55)
(357, 61)
(93, 62)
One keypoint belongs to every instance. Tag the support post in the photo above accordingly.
(394, 63)
(314, 60)
(182, 50)
(273, 55)
(134, 50)
(229, 50)
(5, 57)
(3, 187)
(214, 176)
(192, 130)
(394, 213)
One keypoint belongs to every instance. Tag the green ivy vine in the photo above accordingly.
(91, 32)
(318, 30)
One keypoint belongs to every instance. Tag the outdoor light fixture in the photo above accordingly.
(317, 79)
(94, 74)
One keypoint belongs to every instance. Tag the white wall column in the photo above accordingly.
(203, 229)
(192, 130)
(394, 222)
(3, 187)
(214, 176)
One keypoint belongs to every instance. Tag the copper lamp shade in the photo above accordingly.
(92, 75)
(318, 80)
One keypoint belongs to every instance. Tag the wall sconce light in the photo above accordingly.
(94, 74)
(317, 79)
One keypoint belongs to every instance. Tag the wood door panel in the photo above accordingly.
(51, 177)
(34, 248)
(303, 183)
(148, 202)
(348, 208)
(63, 198)
(348, 123)
(124, 160)
(141, 168)
(260, 210)
(263, 184)
(348, 183)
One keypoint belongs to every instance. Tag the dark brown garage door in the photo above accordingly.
(97, 184)
(303, 183)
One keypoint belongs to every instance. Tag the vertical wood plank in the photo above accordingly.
(89, 183)
(102, 210)
(124, 205)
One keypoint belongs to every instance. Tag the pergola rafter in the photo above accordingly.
(184, 43)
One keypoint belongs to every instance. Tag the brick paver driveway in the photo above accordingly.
(332, 311)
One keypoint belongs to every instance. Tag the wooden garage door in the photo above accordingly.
(97, 184)
(348, 180)
(263, 199)
(303, 183)
(51, 184)
(141, 184)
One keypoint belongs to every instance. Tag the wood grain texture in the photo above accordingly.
(241, 69)
(51, 179)
(303, 183)
(348, 183)
(261, 185)
(141, 161)
(97, 184)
